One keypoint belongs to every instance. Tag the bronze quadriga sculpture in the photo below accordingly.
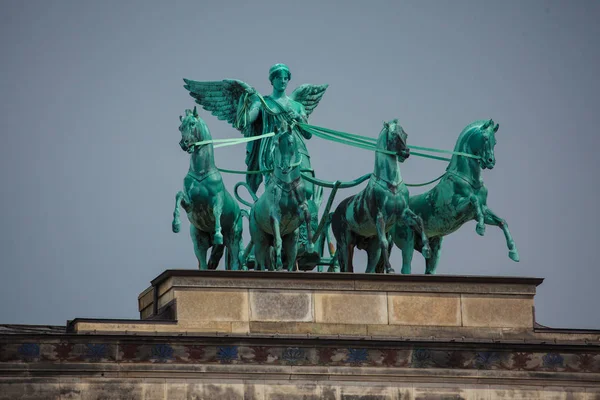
(460, 196)
(214, 215)
(284, 222)
(365, 219)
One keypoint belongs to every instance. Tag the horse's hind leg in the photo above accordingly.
(290, 249)
(201, 241)
(234, 245)
(216, 253)
(493, 219)
(415, 222)
(404, 238)
(436, 249)
(373, 254)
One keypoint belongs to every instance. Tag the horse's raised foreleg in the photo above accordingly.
(473, 201)
(176, 224)
(201, 241)
(217, 211)
(436, 249)
(493, 219)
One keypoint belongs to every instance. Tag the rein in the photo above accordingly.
(232, 141)
(369, 143)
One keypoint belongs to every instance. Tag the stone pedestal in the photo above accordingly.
(331, 304)
(267, 336)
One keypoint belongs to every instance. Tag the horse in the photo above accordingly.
(276, 216)
(214, 215)
(460, 196)
(364, 220)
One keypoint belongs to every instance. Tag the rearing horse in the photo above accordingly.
(276, 216)
(460, 196)
(214, 215)
(363, 220)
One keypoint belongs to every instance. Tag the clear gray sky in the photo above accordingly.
(91, 93)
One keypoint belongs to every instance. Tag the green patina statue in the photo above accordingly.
(460, 196)
(284, 226)
(244, 108)
(364, 220)
(214, 215)
(279, 212)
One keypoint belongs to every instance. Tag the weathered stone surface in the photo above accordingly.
(497, 311)
(418, 309)
(296, 391)
(292, 281)
(351, 308)
(240, 327)
(211, 305)
(280, 305)
(82, 327)
(176, 390)
(154, 389)
(308, 327)
(165, 298)
(217, 390)
(146, 298)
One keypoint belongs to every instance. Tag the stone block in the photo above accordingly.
(176, 391)
(240, 327)
(279, 305)
(217, 390)
(83, 327)
(308, 327)
(211, 305)
(366, 392)
(531, 394)
(155, 389)
(297, 391)
(280, 280)
(424, 309)
(351, 307)
(497, 311)
(165, 298)
(146, 298)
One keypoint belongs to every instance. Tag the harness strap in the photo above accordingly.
(204, 175)
(472, 183)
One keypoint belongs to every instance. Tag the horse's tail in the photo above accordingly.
(328, 236)
(176, 224)
(237, 196)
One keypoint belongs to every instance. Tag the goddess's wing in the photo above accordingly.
(221, 98)
(309, 96)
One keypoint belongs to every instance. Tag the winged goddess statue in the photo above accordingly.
(246, 110)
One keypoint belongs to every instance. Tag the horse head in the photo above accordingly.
(285, 151)
(393, 138)
(482, 143)
(192, 129)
